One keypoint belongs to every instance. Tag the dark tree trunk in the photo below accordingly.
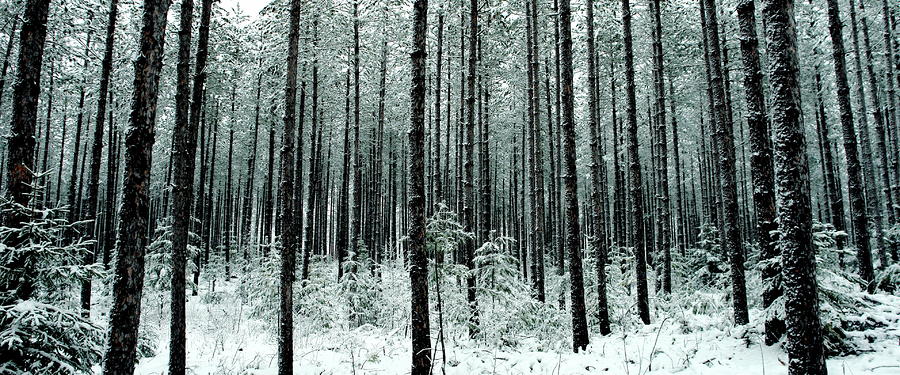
(251, 166)
(468, 214)
(858, 215)
(662, 169)
(184, 142)
(286, 201)
(804, 333)
(343, 207)
(187, 120)
(355, 222)
(597, 231)
(872, 198)
(112, 175)
(418, 259)
(314, 174)
(128, 283)
(731, 234)
(20, 142)
(760, 165)
(97, 148)
(573, 231)
(635, 180)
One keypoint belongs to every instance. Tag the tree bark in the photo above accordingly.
(286, 198)
(128, 281)
(760, 165)
(634, 169)
(731, 234)
(20, 143)
(804, 333)
(573, 231)
(418, 259)
(858, 215)
(598, 242)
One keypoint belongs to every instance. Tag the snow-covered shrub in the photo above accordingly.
(705, 266)
(888, 279)
(508, 316)
(360, 285)
(40, 338)
(260, 286)
(44, 333)
(159, 257)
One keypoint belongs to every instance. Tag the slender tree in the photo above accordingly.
(760, 164)
(182, 155)
(731, 234)
(286, 198)
(597, 232)
(859, 216)
(468, 212)
(634, 171)
(418, 260)
(20, 143)
(576, 278)
(663, 213)
(804, 332)
(128, 280)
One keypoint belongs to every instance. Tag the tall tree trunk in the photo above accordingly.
(251, 166)
(662, 172)
(804, 333)
(877, 114)
(20, 142)
(355, 223)
(97, 148)
(438, 187)
(468, 214)
(128, 283)
(760, 165)
(635, 175)
(343, 206)
(418, 259)
(731, 234)
(112, 173)
(286, 198)
(597, 231)
(187, 120)
(858, 215)
(872, 196)
(573, 231)
(184, 142)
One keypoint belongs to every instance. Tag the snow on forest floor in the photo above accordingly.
(224, 338)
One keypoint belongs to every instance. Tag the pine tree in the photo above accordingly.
(418, 260)
(128, 280)
(598, 242)
(634, 171)
(858, 214)
(804, 332)
(579, 320)
(725, 139)
(20, 143)
(286, 198)
(760, 165)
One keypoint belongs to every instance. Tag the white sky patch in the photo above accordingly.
(249, 7)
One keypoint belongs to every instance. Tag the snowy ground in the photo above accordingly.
(226, 336)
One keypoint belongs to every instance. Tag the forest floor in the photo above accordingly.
(226, 335)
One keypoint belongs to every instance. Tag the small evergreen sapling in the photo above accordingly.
(45, 333)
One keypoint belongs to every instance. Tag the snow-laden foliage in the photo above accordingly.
(159, 257)
(45, 333)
